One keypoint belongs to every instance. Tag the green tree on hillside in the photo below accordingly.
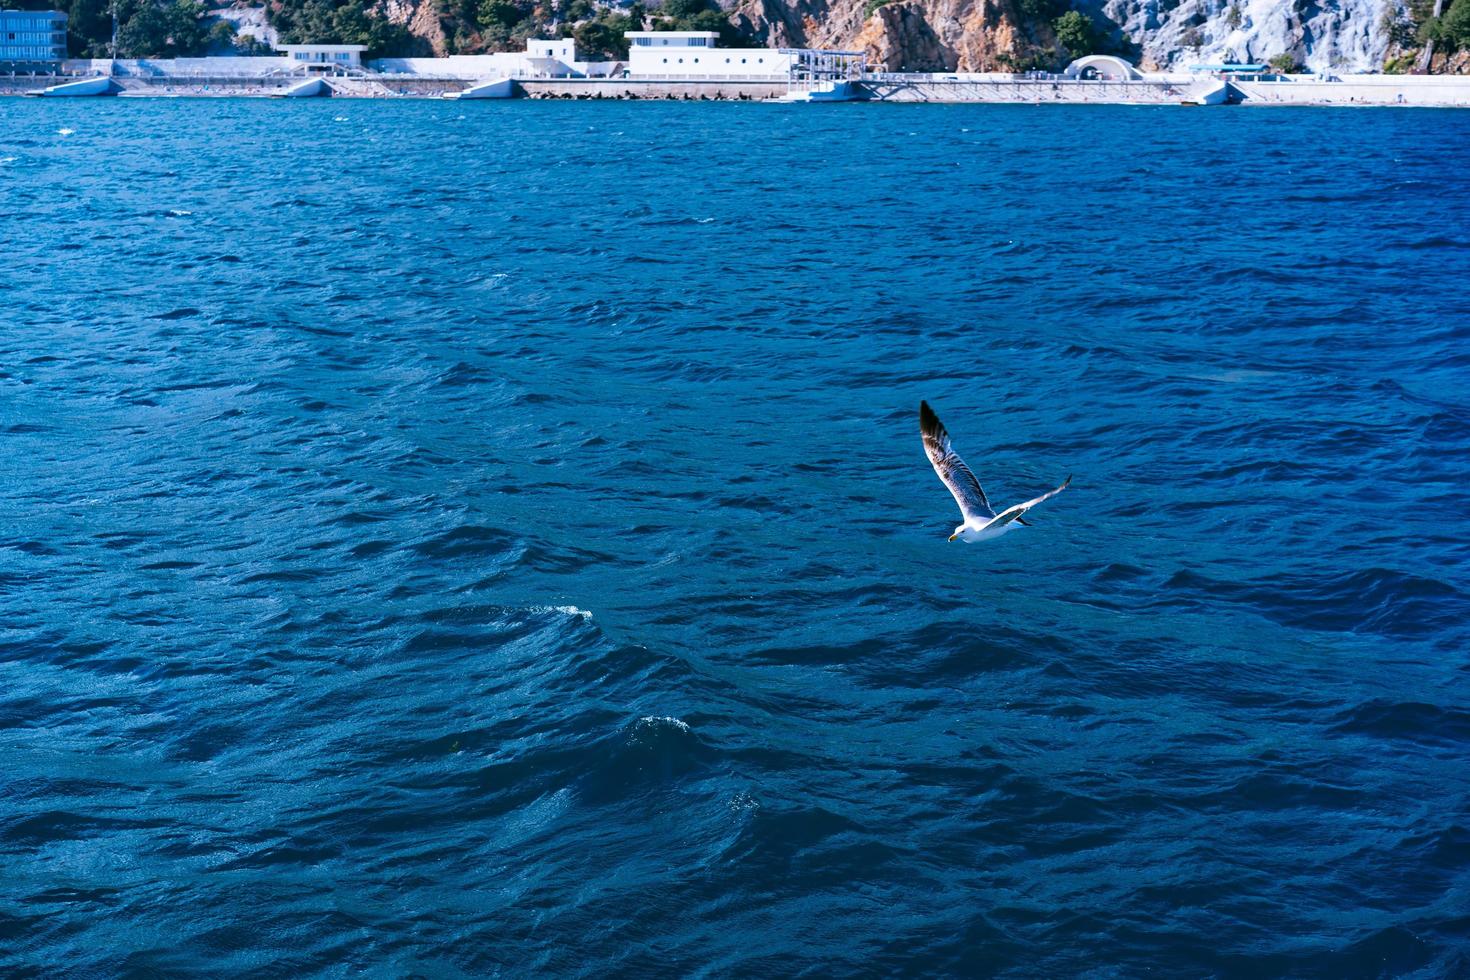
(601, 39)
(500, 13)
(699, 15)
(342, 22)
(1455, 25)
(1077, 33)
(169, 30)
(1042, 11)
(88, 27)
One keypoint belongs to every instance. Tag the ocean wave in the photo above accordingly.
(419, 567)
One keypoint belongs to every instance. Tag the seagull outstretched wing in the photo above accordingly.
(1014, 513)
(953, 471)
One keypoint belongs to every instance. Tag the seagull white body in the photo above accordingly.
(981, 521)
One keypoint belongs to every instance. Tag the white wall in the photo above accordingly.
(500, 65)
(707, 61)
(198, 66)
(563, 49)
(455, 66)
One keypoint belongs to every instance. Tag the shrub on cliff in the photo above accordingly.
(342, 22)
(88, 26)
(699, 15)
(150, 30)
(1041, 11)
(1284, 64)
(1077, 33)
(601, 39)
(1451, 30)
(1455, 25)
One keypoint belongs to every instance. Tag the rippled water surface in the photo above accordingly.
(495, 539)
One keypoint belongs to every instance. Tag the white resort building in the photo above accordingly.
(543, 58)
(32, 35)
(323, 57)
(693, 53)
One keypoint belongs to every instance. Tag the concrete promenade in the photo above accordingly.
(1350, 90)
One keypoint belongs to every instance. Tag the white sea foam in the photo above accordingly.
(65, 132)
(178, 213)
(664, 720)
(744, 801)
(564, 610)
(8, 159)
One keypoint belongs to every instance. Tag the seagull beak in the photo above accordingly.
(953, 536)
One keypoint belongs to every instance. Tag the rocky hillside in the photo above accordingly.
(913, 35)
(1321, 35)
(984, 35)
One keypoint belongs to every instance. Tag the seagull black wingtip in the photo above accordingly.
(928, 421)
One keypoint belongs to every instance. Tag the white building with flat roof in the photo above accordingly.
(32, 35)
(323, 57)
(543, 58)
(693, 53)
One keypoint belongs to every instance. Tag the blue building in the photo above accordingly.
(32, 35)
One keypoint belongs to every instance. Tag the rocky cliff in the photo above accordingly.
(981, 35)
(1321, 35)
(996, 35)
(904, 35)
(421, 17)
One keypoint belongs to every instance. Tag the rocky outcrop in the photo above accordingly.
(421, 17)
(249, 22)
(1341, 36)
(957, 36)
(1321, 35)
(981, 35)
(903, 35)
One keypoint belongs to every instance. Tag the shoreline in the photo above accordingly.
(1356, 91)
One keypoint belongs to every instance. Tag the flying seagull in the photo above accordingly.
(981, 521)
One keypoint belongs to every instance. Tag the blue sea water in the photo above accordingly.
(495, 539)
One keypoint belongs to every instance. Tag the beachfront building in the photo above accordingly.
(693, 54)
(543, 58)
(323, 57)
(32, 35)
(562, 49)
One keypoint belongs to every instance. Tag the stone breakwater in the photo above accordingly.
(1358, 90)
